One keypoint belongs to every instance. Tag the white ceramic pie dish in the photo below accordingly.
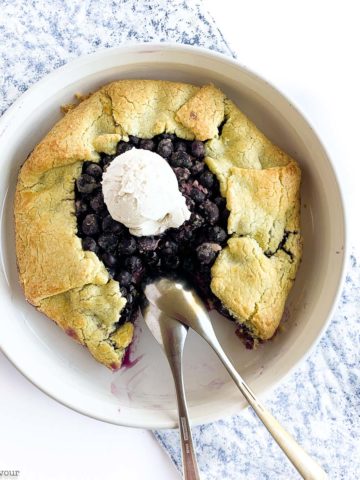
(143, 395)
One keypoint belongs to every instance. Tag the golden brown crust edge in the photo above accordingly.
(44, 205)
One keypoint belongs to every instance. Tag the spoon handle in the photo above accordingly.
(190, 467)
(305, 465)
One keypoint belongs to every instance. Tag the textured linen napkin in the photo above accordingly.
(320, 402)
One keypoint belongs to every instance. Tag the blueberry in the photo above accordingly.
(112, 271)
(190, 203)
(134, 140)
(127, 246)
(182, 235)
(180, 146)
(197, 195)
(217, 234)
(133, 263)
(97, 202)
(126, 313)
(137, 276)
(147, 144)
(171, 262)
(165, 148)
(112, 226)
(124, 278)
(197, 149)
(86, 184)
(205, 253)
(182, 174)
(169, 248)
(89, 243)
(180, 159)
(220, 202)
(93, 169)
(152, 259)
(90, 224)
(80, 207)
(207, 179)
(171, 136)
(130, 299)
(196, 220)
(123, 291)
(210, 211)
(106, 159)
(197, 167)
(185, 187)
(123, 147)
(132, 290)
(147, 244)
(109, 259)
(108, 241)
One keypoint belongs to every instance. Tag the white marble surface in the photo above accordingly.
(310, 51)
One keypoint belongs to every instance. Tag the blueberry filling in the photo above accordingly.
(189, 250)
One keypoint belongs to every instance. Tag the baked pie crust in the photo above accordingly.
(251, 276)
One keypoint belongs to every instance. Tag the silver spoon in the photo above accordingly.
(178, 301)
(171, 335)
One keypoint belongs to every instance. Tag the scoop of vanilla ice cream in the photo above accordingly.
(141, 191)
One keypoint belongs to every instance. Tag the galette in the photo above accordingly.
(147, 178)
